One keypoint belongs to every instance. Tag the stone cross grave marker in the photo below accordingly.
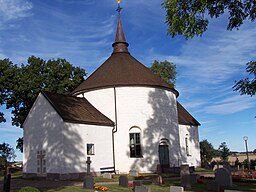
(88, 162)
(185, 176)
(223, 177)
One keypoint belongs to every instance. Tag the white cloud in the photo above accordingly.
(11, 10)
(230, 105)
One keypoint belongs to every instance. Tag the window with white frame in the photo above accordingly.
(90, 149)
(135, 142)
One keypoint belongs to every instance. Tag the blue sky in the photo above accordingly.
(82, 32)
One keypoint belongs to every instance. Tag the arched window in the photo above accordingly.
(135, 142)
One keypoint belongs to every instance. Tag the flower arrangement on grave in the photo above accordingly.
(101, 188)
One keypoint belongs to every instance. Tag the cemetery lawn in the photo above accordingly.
(155, 188)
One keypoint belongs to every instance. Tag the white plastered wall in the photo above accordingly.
(153, 110)
(42, 131)
(76, 137)
(193, 156)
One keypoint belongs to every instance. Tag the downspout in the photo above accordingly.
(114, 130)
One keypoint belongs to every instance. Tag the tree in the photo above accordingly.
(207, 151)
(7, 154)
(166, 70)
(190, 18)
(247, 86)
(19, 144)
(224, 151)
(21, 85)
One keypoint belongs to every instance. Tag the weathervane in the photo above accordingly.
(118, 8)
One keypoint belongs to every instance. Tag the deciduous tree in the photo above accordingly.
(166, 70)
(7, 154)
(207, 151)
(247, 86)
(191, 18)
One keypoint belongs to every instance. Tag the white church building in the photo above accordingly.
(123, 117)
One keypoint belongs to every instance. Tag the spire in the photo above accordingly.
(120, 44)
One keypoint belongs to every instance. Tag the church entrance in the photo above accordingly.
(163, 151)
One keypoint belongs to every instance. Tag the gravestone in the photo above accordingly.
(137, 183)
(223, 177)
(213, 186)
(133, 173)
(123, 181)
(176, 189)
(185, 176)
(157, 180)
(142, 188)
(88, 182)
(194, 178)
(107, 175)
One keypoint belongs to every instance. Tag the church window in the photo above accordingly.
(135, 142)
(90, 149)
(187, 146)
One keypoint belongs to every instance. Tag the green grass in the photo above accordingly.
(203, 171)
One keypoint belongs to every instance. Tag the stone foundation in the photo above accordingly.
(58, 176)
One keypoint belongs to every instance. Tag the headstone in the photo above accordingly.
(194, 178)
(88, 162)
(176, 189)
(137, 183)
(107, 175)
(223, 177)
(158, 180)
(88, 182)
(123, 181)
(133, 173)
(185, 176)
(213, 186)
(142, 188)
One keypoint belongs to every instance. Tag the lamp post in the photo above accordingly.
(246, 147)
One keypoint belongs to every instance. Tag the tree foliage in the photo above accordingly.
(224, 151)
(191, 17)
(207, 151)
(247, 86)
(166, 70)
(21, 85)
(19, 144)
(7, 154)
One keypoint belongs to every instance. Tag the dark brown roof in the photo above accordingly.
(77, 110)
(184, 116)
(121, 69)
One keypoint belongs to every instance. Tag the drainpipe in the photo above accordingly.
(114, 130)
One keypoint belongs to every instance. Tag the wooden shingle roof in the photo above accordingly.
(77, 110)
(184, 117)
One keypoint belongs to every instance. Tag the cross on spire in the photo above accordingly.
(118, 7)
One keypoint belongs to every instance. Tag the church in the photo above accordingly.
(124, 117)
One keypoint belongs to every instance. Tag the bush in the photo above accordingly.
(28, 189)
